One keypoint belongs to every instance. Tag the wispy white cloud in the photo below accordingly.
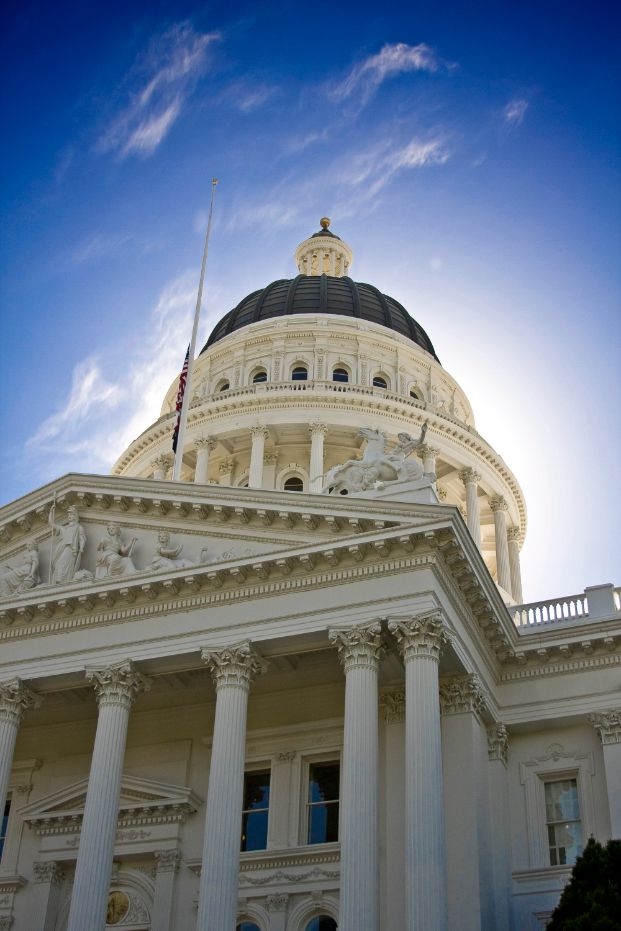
(397, 58)
(378, 166)
(159, 83)
(248, 96)
(100, 245)
(515, 111)
(298, 143)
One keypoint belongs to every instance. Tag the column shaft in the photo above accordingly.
(316, 469)
(259, 435)
(513, 537)
(608, 726)
(233, 668)
(204, 446)
(116, 689)
(503, 574)
(15, 699)
(470, 478)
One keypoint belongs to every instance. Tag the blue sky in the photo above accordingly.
(469, 153)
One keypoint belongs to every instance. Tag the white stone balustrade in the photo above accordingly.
(598, 601)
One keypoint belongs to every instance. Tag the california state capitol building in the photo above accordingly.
(298, 689)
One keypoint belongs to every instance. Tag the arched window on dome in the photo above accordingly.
(299, 373)
(381, 381)
(293, 483)
(321, 923)
(222, 385)
(247, 926)
(416, 394)
(258, 376)
(340, 374)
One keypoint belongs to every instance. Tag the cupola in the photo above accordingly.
(324, 253)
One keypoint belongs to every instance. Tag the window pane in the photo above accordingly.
(562, 800)
(254, 830)
(248, 926)
(379, 382)
(256, 790)
(294, 484)
(255, 812)
(5, 821)
(321, 923)
(340, 375)
(323, 782)
(299, 374)
(259, 376)
(565, 842)
(323, 823)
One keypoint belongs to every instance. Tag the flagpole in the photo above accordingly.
(183, 417)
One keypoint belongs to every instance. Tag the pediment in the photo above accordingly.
(142, 801)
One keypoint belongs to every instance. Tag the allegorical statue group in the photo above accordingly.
(376, 468)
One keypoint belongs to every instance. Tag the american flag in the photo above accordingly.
(180, 392)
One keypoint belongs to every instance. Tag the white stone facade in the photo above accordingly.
(203, 630)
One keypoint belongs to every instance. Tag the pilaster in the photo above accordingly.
(608, 726)
(166, 869)
(498, 755)
(48, 880)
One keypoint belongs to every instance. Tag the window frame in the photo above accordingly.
(307, 762)
(549, 782)
(222, 385)
(296, 491)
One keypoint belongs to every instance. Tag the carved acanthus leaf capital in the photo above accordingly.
(422, 636)
(470, 476)
(392, 705)
(258, 431)
(118, 684)
(15, 699)
(236, 666)
(206, 442)
(318, 429)
(498, 503)
(167, 861)
(226, 466)
(48, 871)
(358, 646)
(608, 725)
(514, 534)
(426, 451)
(277, 903)
(461, 694)
(498, 742)
(160, 462)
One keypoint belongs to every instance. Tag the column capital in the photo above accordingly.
(15, 699)
(498, 503)
(161, 462)
(359, 646)
(514, 534)
(48, 871)
(392, 704)
(270, 458)
(118, 684)
(425, 635)
(235, 666)
(470, 476)
(206, 442)
(259, 430)
(167, 861)
(426, 450)
(317, 429)
(227, 465)
(498, 742)
(460, 694)
(608, 725)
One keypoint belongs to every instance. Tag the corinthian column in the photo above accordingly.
(471, 479)
(428, 454)
(315, 470)
(420, 641)
(608, 726)
(15, 699)
(160, 467)
(204, 446)
(513, 538)
(116, 688)
(503, 574)
(359, 651)
(233, 669)
(259, 436)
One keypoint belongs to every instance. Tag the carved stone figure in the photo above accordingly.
(17, 579)
(376, 465)
(166, 556)
(68, 542)
(114, 556)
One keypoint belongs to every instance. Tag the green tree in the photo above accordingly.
(591, 900)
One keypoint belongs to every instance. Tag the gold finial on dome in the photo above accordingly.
(324, 222)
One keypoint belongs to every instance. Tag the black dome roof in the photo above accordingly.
(324, 294)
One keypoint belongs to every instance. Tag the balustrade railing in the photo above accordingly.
(606, 603)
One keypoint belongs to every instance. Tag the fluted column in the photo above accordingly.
(116, 688)
(503, 573)
(233, 669)
(160, 467)
(420, 641)
(608, 726)
(359, 651)
(428, 454)
(513, 542)
(259, 436)
(15, 699)
(315, 470)
(498, 754)
(204, 446)
(471, 479)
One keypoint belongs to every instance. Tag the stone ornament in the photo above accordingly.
(68, 542)
(48, 871)
(424, 636)
(377, 467)
(277, 903)
(118, 907)
(608, 725)
(498, 743)
(358, 647)
(167, 861)
(118, 684)
(166, 555)
(392, 705)
(234, 666)
(15, 699)
(462, 694)
(114, 556)
(15, 580)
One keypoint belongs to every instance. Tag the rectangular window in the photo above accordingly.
(5, 822)
(256, 810)
(323, 802)
(563, 821)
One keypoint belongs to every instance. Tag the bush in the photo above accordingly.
(591, 900)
